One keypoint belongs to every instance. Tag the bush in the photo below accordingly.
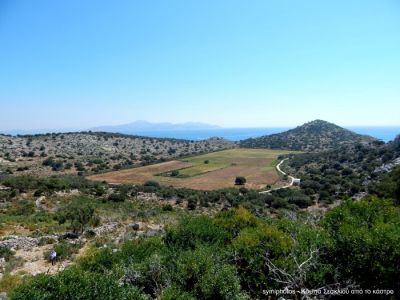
(64, 250)
(174, 173)
(235, 220)
(205, 275)
(6, 253)
(136, 251)
(78, 213)
(191, 231)
(366, 235)
(251, 246)
(117, 197)
(23, 208)
(74, 284)
(9, 282)
(192, 202)
(167, 207)
(240, 180)
(152, 183)
(97, 261)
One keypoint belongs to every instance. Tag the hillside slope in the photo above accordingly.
(92, 152)
(313, 136)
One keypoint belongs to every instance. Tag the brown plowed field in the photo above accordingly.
(256, 165)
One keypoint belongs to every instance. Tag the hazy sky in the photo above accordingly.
(79, 64)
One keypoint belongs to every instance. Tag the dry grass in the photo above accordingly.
(257, 165)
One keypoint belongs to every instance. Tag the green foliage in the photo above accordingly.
(251, 247)
(79, 213)
(235, 220)
(313, 136)
(230, 256)
(388, 186)
(204, 274)
(74, 284)
(97, 261)
(9, 282)
(192, 231)
(366, 235)
(117, 197)
(167, 207)
(23, 208)
(174, 173)
(137, 250)
(6, 253)
(64, 250)
(48, 184)
(174, 293)
(152, 183)
(192, 202)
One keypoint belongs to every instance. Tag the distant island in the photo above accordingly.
(143, 126)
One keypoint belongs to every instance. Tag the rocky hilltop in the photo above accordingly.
(313, 136)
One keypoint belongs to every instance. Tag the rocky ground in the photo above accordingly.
(93, 152)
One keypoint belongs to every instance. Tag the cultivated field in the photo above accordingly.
(206, 172)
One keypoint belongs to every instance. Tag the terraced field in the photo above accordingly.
(206, 172)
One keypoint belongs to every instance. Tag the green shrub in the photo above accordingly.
(117, 197)
(78, 213)
(74, 284)
(174, 173)
(9, 282)
(136, 251)
(235, 220)
(195, 230)
(97, 260)
(152, 183)
(192, 202)
(23, 208)
(6, 253)
(366, 235)
(251, 247)
(204, 274)
(175, 293)
(64, 250)
(167, 207)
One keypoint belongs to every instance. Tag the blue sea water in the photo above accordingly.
(384, 133)
(235, 134)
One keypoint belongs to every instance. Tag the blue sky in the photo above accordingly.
(77, 64)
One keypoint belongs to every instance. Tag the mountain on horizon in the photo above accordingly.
(143, 126)
(317, 135)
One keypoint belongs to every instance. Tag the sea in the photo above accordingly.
(383, 133)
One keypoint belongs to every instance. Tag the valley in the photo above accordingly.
(146, 218)
(211, 171)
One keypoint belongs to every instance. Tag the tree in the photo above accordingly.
(192, 202)
(174, 173)
(240, 180)
(78, 213)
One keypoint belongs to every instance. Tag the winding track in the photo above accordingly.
(278, 168)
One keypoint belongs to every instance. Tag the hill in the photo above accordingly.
(91, 152)
(144, 126)
(313, 136)
(349, 170)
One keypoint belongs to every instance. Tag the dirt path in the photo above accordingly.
(35, 261)
(278, 168)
